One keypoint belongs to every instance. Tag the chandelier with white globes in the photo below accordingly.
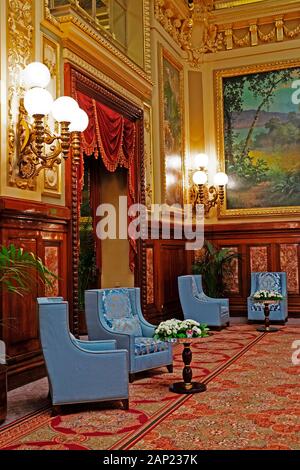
(41, 148)
(201, 192)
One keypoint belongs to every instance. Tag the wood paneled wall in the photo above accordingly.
(41, 229)
(166, 260)
(262, 247)
(273, 246)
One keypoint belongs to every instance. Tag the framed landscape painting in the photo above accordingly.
(258, 133)
(172, 127)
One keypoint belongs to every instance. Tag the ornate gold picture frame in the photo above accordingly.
(258, 123)
(172, 138)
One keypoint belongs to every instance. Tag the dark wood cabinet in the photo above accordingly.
(43, 230)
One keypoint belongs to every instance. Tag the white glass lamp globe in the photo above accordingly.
(201, 160)
(79, 122)
(38, 101)
(200, 177)
(220, 179)
(36, 74)
(64, 108)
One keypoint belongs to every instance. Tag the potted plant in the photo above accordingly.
(215, 265)
(18, 270)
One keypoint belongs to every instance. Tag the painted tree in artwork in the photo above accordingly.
(262, 139)
(233, 106)
(263, 86)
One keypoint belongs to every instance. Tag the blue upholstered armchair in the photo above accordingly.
(198, 306)
(79, 371)
(268, 281)
(116, 314)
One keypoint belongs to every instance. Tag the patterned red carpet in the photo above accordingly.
(252, 402)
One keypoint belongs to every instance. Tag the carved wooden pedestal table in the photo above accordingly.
(267, 328)
(187, 386)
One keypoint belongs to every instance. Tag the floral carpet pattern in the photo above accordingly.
(252, 401)
(253, 405)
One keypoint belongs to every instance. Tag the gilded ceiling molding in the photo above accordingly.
(47, 14)
(103, 79)
(218, 5)
(88, 25)
(173, 22)
(214, 35)
(20, 52)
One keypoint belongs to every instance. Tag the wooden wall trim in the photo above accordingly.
(33, 210)
(262, 245)
(252, 227)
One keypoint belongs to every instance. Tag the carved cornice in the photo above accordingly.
(48, 16)
(276, 22)
(101, 78)
(77, 16)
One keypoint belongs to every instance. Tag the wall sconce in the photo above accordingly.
(201, 192)
(39, 147)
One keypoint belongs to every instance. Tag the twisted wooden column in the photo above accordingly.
(75, 229)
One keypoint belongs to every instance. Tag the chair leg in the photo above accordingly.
(56, 410)
(228, 323)
(170, 368)
(131, 378)
(125, 404)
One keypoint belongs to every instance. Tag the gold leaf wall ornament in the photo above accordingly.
(20, 52)
(291, 33)
(241, 42)
(269, 37)
(48, 16)
(211, 34)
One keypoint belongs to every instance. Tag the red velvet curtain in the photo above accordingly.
(113, 137)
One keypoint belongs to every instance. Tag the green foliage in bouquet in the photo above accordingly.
(262, 295)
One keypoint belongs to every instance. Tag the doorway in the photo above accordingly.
(103, 263)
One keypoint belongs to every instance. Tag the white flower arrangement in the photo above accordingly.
(267, 295)
(173, 329)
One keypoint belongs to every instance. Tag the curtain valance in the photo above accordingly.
(113, 137)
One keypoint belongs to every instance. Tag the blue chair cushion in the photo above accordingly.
(128, 325)
(269, 281)
(118, 313)
(144, 346)
(117, 304)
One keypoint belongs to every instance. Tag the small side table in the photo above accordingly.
(267, 328)
(187, 386)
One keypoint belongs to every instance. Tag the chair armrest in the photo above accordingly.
(212, 300)
(102, 345)
(100, 351)
(213, 303)
(148, 329)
